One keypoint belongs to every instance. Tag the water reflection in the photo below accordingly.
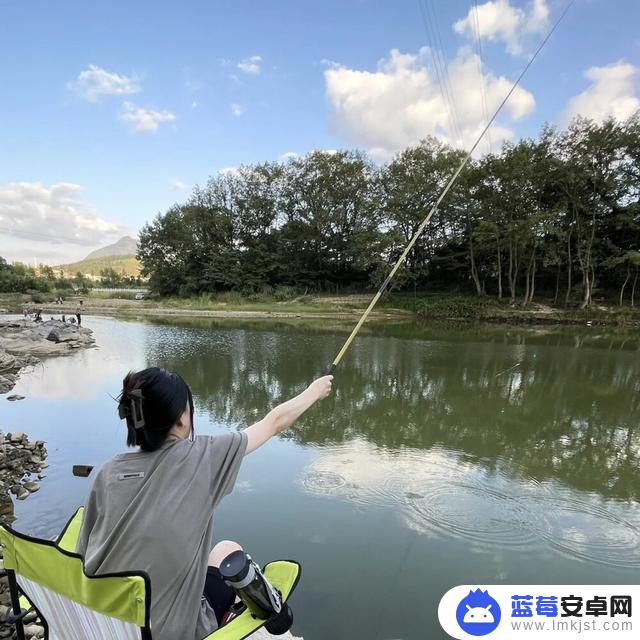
(441, 492)
(542, 405)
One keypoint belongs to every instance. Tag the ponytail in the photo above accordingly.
(151, 402)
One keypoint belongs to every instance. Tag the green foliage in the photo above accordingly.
(558, 215)
(110, 278)
(285, 293)
(451, 307)
(40, 286)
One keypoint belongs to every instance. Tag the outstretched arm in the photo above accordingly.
(285, 414)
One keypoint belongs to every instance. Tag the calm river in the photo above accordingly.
(444, 457)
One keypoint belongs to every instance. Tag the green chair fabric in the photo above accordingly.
(51, 576)
(75, 606)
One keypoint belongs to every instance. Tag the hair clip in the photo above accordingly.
(134, 411)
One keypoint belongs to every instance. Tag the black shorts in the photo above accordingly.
(218, 593)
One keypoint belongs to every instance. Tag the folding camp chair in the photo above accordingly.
(48, 577)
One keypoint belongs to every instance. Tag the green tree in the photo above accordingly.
(411, 184)
(331, 213)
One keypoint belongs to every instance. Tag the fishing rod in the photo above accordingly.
(454, 177)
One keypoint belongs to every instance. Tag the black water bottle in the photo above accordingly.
(245, 578)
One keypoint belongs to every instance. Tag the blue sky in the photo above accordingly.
(111, 111)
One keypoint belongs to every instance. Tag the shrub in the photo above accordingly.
(284, 293)
(452, 307)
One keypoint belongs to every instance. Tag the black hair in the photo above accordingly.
(151, 401)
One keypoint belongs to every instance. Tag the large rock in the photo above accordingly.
(7, 383)
(54, 335)
(34, 631)
(23, 343)
(8, 362)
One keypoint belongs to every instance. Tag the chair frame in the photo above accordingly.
(239, 628)
(14, 587)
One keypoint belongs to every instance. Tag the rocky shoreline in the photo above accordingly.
(25, 342)
(22, 465)
(22, 462)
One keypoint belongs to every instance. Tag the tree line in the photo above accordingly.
(557, 216)
(43, 281)
(40, 283)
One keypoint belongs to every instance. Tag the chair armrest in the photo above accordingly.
(69, 537)
(284, 576)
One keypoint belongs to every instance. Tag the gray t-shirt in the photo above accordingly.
(153, 512)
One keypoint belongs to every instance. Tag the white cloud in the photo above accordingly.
(327, 62)
(178, 185)
(237, 109)
(144, 120)
(95, 82)
(35, 217)
(288, 155)
(401, 103)
(499, 20)
(612, 92)
(251, 65)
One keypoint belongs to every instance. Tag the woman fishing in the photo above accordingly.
(151, 510)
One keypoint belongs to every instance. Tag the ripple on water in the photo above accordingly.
(323, 482)
(583, 530)
(475, 513)
(440, 492)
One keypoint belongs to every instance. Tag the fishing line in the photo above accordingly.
(442, 86)
(478, 43)
(517, 364)
(441, 197)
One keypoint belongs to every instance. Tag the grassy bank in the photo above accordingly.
(226, 305)
(452, 307)
(421, 307)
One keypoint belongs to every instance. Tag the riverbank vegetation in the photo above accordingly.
(555, 219)
(22, 282)
(44, 283)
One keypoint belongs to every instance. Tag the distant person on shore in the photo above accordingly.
(151, 510)
(64, 318)
(78, 313)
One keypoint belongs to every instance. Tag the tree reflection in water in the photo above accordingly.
(538, 404)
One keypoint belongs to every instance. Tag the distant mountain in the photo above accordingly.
(126, 246)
